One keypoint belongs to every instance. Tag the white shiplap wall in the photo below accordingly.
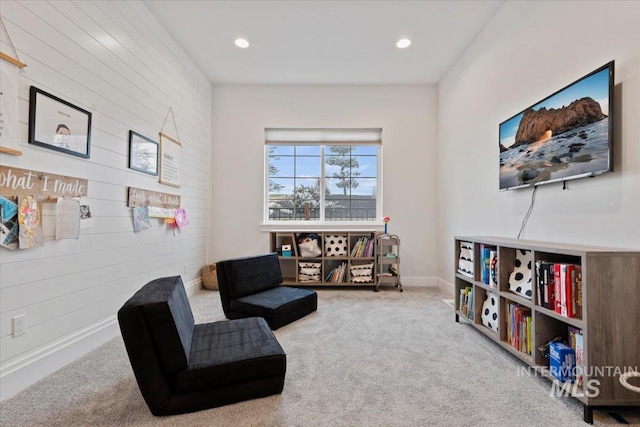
(115, 60)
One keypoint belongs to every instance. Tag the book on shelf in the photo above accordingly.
(551, 277)
(487, 252)
(539, 284)
(362, 248)
(557, 274)
(577, 285)
(568, 289)
(465, 302)
(493, 269)
(543, 281)
(579, 359)
(519, 327)
(337, 275)
(572, 332)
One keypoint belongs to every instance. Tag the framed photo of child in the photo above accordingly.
(58, 125)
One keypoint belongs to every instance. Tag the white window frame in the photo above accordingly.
(324, 138)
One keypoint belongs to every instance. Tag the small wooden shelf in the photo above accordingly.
(387, 244)
(609, 302)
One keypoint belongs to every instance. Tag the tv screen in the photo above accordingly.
(567, 135)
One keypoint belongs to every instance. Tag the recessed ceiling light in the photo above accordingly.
(402, 43)
(242, 43)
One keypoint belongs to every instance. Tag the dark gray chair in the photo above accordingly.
(183, 367)
(251, 286)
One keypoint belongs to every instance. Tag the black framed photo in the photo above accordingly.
(58, 125)
(143, 153)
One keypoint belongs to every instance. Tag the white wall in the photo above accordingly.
(113, 59)
(527, 52)
(407, 116)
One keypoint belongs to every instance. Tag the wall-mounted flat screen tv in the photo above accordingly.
(567, 135)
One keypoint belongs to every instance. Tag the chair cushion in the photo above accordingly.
(170, 321)
(231, 352)
(279, 306)
(249, 275)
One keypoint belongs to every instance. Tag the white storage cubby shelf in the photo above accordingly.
(345, 258)
(605, 309)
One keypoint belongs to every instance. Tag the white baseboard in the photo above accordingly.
(37, 364)
(447, 287)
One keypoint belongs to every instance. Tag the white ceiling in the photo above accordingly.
(324, 42)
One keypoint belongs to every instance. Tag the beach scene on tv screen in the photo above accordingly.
(563, 136)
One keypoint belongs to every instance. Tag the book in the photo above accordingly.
(493, 269)
(578, 287)
(545, 285)
(552, 286)
(569, 308)
(466, 302)
(573, 332)
(563, 289)
(579, 359)
(539, 283)
(557, 287)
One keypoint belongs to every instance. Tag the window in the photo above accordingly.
(323, 175)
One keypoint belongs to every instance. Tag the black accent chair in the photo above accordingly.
(183, 367)
(251, 287)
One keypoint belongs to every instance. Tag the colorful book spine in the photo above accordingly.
(578, 288)
(557, 287)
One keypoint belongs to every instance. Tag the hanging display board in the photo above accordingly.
(44, 186)
(140, 197)
(161, 205)
(9, 126)
(170, 151)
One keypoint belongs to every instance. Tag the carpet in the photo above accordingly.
(363, 359)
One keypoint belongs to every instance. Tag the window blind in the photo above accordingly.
(324, 136)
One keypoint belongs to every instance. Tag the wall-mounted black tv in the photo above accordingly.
(567, 135)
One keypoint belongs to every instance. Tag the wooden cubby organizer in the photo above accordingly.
(359, 267)
(609, 321)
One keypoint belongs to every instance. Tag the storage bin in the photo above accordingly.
(209, 277)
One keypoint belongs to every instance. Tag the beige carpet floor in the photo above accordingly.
(363, 359)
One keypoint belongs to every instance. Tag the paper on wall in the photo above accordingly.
(67, 219)
(30, 223)
(86, 220)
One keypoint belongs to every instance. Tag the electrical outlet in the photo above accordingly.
(19, 325)
(184, 268)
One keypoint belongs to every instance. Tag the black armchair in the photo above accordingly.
(183, 367)
(251, 286)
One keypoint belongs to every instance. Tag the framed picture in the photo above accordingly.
(143, 153)
(171, 150)
(58, 125)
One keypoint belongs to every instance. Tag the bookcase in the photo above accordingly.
(345, 258)
(602, 310)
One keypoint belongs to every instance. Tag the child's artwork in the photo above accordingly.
(181, 217)
(86, 220)
(67, 219)
(30, 222)
(8, 224)
(141, 219)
